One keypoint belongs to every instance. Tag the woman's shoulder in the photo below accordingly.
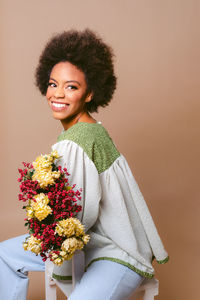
(94, 139)
(82, 131)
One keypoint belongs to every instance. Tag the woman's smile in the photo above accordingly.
(59, 106)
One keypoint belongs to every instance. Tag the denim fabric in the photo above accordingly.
(15, 263)
(106, 280)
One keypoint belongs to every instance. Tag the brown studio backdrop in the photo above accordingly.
(153, 117)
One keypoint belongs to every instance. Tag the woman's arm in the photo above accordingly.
(84, 174)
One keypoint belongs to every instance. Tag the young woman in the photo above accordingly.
(76, 74)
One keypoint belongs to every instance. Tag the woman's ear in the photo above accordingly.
(89, 97)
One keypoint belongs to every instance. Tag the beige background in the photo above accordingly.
(153, 119)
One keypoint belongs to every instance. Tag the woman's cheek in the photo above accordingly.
(73, 98)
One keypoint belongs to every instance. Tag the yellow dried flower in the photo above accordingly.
(69, 245)
(56, 259)
(70, 227)
(63, 253)
(80, 245)
(33, 244)
(40, 198)
(43, 169)
(43, 162)
(86, 238)
(39, 209)
(30, 212)
(54, 154)
(42, 211)
(45, 177)
(59, 258)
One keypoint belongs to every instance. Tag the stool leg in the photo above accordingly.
(149, 294)
(50, 286)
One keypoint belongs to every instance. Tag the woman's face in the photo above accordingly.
(67, 92)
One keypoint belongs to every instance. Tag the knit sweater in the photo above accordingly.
(114, 212)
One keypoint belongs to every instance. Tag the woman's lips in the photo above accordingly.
(59, 106)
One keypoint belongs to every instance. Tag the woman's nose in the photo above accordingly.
(59, 93)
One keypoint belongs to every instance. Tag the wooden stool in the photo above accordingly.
(148, 289)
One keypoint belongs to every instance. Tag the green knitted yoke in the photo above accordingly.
(95, 141)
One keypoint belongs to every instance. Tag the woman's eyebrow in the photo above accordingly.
(68, 81)
(73, 81)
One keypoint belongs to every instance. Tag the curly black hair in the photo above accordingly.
(87, 52)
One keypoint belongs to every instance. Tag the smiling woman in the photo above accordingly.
(76, 74)
(67, 94)
(87, 53)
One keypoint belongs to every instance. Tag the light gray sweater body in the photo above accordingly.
(114, 212)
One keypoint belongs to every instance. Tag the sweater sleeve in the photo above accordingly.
(133, 228)
(84, 174)
(157, 246)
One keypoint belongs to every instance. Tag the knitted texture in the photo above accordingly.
(95, 141)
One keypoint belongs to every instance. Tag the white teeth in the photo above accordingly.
(58, 104)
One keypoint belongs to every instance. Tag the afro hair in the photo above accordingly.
(88, 53)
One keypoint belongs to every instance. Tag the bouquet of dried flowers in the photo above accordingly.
(51, 207)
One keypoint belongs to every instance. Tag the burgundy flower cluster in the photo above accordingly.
(62, 200)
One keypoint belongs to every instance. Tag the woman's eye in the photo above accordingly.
(72, 87)
(52, 84)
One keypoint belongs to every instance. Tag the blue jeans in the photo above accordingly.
(15, 263)
(104, 280)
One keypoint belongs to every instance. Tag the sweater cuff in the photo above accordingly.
(161, 261)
